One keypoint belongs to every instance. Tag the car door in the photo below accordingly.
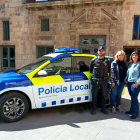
(55, 88)
(82, 82)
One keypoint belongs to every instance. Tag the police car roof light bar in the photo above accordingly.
(62, 50)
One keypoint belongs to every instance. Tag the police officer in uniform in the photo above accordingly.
(100, 68)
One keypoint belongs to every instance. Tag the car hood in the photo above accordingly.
(12, 80)
(7, 75)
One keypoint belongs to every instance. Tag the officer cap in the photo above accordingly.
(101, 48)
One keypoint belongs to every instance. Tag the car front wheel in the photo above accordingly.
(13, 106)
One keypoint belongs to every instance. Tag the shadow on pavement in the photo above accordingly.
(70, 114)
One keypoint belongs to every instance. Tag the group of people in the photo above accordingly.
(120, 74)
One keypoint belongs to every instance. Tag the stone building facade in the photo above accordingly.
(130, 10)
(72, 23)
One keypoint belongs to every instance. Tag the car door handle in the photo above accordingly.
(66, 79)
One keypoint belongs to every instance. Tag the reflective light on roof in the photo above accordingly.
(66, 50)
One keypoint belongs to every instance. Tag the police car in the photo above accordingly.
(55, 79)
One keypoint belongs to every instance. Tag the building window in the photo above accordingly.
(41, 50)
(89, 44)
(6, 30)
(45, 25)
(136, 28)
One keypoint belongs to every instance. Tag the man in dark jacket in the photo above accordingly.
(100, 68)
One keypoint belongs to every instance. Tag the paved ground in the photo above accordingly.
(73, 123)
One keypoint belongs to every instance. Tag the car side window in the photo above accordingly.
(81, 64)
(59, 66)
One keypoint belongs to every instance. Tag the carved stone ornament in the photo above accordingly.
(112, 39)
(93, 15)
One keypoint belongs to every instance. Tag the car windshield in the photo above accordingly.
(31, 67)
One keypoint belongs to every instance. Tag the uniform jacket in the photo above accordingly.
(115, 72)
(104, 71)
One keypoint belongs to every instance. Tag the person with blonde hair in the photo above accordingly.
(118, 74)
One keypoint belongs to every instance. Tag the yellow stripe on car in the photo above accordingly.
(123, 91)
(44, 80)
(88, 74)
(47, 80)
(30, 75)
(87, 55)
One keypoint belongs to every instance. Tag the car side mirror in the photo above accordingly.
(42, 73)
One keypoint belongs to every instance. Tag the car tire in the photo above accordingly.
(13, 106)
